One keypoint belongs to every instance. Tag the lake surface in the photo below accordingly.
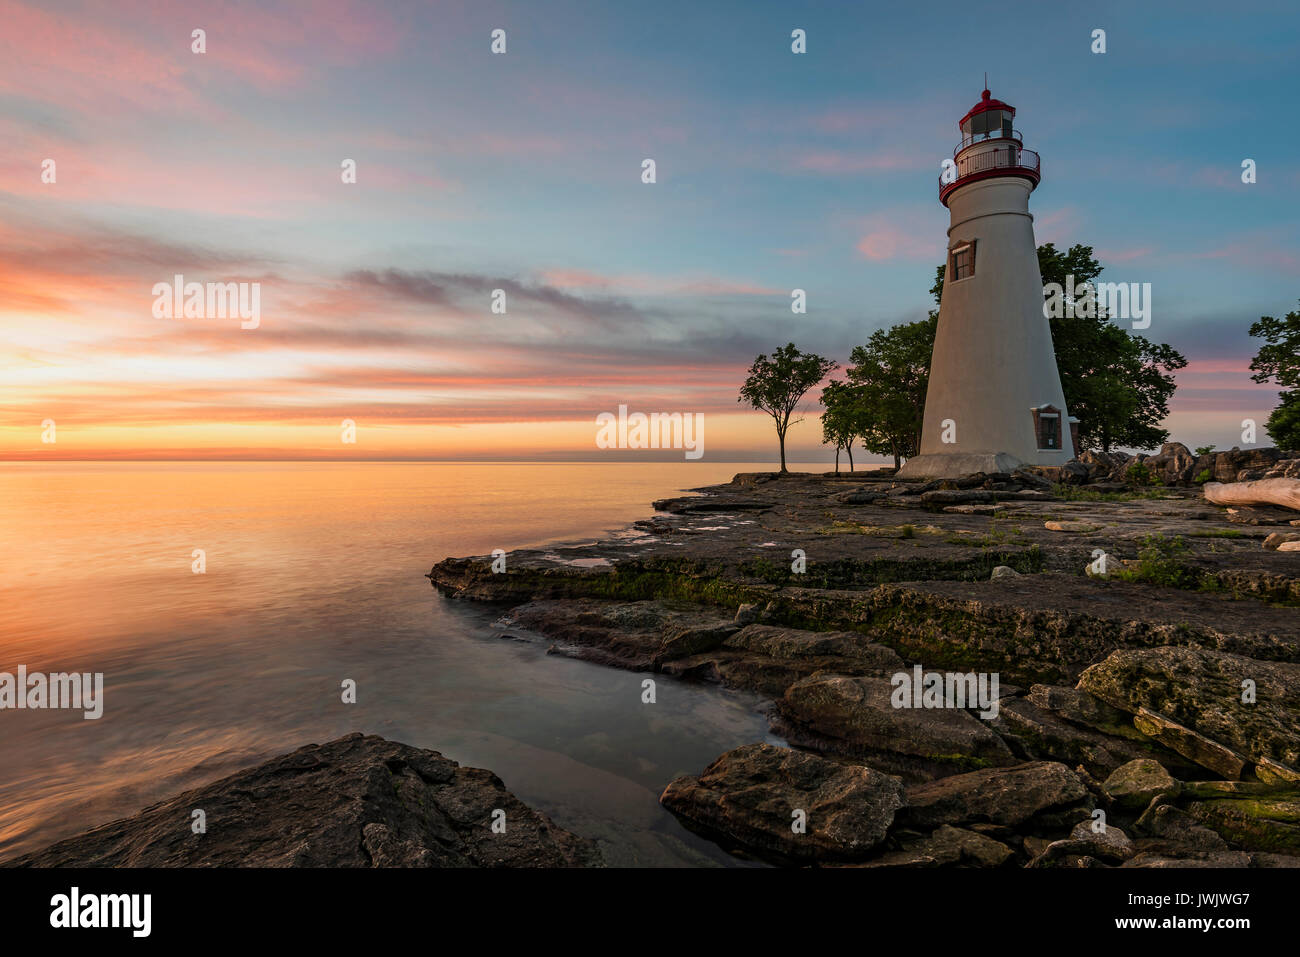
(314, 574)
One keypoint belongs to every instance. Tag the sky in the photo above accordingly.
(522, 172)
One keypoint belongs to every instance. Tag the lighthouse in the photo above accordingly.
(994, 400)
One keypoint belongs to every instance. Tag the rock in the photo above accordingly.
(357, 801)
(1284, 492)
(860, 496)
(1214, 859)
(1075, 472)
(1067, 526)
(1031, 479)
(1259, 515)
(1134, 784)
(1100, 465)
(1079, 707)
(1202, 690)
(1036, 794)
(960, 496)
(1228, 464)
(1292, 546)
(793, 644)
(900, 859)
(748, 796)
(853, 716)
(1204, 751)
(1283, 468)
(746, 614)
(690, 639)
(1110, 843)
(1040, 734)
(974, 509)
(768, 659)
(1178, 831)
(958, 846)
(1255, 824)
(1174, 464)
(1003, 571)
(1277, 539)
(1270, 772)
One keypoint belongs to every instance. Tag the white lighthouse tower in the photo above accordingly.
(994, 401)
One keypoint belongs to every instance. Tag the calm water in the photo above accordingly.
(315, 574)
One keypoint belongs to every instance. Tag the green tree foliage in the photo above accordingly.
(777, 385)
(1278, 361)
(1116, 383)
(890, 375)
(843, 420)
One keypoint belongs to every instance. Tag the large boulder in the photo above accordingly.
(854, 716)
(1039, 794)
(358, 801)
(1229, 464)
(1133, 785)
(1174, 464)
(1203, 691)
(1101, 466)
(750, 797)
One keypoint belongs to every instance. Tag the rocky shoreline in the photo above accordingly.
(1148, 710)
(357, 801)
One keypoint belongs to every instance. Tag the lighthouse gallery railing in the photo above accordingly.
(1001, 157)
(1011, 156)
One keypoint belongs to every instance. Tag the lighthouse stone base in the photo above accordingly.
(957, 464)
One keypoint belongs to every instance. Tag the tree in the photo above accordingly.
(1117, 384)
(777, 385)
(844, 421)
(1278, 361)
(891, 373)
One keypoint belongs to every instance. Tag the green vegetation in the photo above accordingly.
(1162, 561)
(1278, 361)
(777, 385)
(1139, 474)
(882, 402)
(1074, 493)
(1203, 476)
(1204, 449)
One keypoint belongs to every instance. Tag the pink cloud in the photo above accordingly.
(96, 60)
(888, 240)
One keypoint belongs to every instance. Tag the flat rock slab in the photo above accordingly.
(1197, 747)
(750, 798)
(358, 801)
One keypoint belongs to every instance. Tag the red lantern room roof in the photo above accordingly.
(985, 104)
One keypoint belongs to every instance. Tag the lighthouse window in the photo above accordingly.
(963, 261)
(1047, 426)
